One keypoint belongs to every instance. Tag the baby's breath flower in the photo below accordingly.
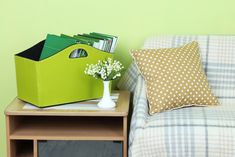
(106, 70)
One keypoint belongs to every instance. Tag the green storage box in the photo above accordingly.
(58, 79)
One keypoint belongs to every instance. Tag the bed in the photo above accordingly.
(190, 131)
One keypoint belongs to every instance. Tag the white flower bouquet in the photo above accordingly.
(106, 70)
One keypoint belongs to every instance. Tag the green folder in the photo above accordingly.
(89, 40)
(55, 44)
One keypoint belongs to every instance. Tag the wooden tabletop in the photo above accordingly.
(16, 108)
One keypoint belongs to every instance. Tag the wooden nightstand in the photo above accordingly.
(26, 127)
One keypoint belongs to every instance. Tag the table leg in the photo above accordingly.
(125, 137)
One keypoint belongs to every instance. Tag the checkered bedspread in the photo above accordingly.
(192, 131)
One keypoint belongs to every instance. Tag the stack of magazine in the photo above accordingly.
(100, 41)
(54, 44)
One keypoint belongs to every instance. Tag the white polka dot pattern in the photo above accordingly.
(174, 77)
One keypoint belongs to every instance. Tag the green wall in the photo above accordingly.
(25, 22)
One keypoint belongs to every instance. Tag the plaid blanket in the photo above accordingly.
(192, 131)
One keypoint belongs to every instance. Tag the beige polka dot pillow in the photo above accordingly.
(175, 77)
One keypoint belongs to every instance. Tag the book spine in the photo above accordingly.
(114, 43)
(112, 40)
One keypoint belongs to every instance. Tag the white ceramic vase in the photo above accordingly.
(106, 102)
